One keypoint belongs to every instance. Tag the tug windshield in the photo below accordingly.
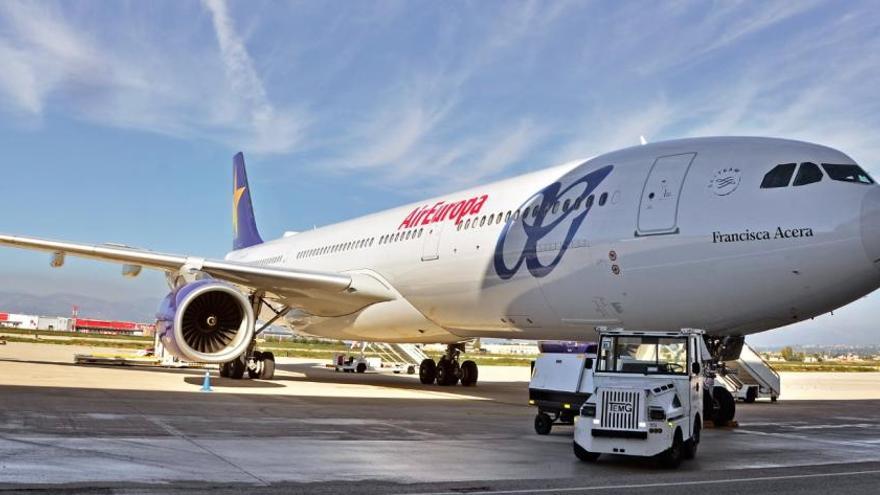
(643, 355)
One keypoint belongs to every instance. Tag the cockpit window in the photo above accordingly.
(807, 174)
(847, 173)
(780, 176)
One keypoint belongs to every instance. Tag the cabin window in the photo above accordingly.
(566, 206)
(525, 212)
(467, 224)
(555, 207)
(779, 176)
(847, 173)
(491, 219)
(515, 215)
(507, 217)
(603, 198)
(483, 221)
(535, 211)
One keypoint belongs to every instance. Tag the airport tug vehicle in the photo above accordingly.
(648, 397)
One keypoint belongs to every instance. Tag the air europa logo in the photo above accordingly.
(533, 228)
(442, 210)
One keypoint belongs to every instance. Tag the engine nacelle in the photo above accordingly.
(206, 321)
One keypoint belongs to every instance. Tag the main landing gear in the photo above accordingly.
(257, 365)
(448, 371)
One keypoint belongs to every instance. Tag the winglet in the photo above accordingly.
(244, 225)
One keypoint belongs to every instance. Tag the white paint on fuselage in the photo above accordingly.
(679, 279)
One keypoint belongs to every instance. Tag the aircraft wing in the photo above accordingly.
(317, 292)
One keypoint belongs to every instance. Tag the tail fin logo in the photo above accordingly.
(237, 194)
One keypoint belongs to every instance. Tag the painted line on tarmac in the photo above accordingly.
(793, 436)
(658, 485)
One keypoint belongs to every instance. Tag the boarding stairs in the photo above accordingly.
(750, 371)
(397, 355)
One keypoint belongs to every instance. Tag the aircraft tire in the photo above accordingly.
(267, 366)
(751, 395)
(726, 406)
(236, 369)
(258, 359)
(427, 371)
(361, 368)
(447, 374)
(469, 373)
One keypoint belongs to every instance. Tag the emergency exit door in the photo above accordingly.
(658, 209)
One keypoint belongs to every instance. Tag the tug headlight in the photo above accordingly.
(588, 410)
(657, 414)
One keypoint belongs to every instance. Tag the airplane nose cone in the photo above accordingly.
(871, 225)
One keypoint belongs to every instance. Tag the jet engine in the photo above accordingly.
(206, 321)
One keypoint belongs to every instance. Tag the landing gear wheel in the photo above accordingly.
(258, 364)
(671, 458)
(447, 374)
(427, 371)
(751, 395)
(773, 398)
(543, 424)
(726, 406)
(690, 447)
(410, 370)
(469, 373)
(585, 455)
(236, 368)
(361, 368)
(267, 367)
(224, 370)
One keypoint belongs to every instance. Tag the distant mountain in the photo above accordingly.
(141, 310)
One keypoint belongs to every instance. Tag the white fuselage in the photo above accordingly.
(685, 237)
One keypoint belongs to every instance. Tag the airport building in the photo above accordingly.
(69, 324)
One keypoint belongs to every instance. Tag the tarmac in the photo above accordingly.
(107, 429)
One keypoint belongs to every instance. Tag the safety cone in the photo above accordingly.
(206, 385)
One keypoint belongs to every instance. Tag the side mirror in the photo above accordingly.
(695, 368)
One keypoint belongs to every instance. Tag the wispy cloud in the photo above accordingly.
(136, 80)
(269, 130)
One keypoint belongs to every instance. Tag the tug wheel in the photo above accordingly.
(585, 455)
(543, 424)
(671, 458)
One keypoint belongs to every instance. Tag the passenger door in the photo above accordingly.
(431, 246)
(658, 208)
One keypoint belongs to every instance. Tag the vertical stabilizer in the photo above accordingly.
(244, 225)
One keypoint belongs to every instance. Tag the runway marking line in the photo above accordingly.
(657, 485)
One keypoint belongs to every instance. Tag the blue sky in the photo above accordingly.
(118, 120)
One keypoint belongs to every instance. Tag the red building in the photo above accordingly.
(112, 327)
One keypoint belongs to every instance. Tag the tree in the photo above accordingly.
(788, 354)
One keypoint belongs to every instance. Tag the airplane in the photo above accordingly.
(730, 235)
